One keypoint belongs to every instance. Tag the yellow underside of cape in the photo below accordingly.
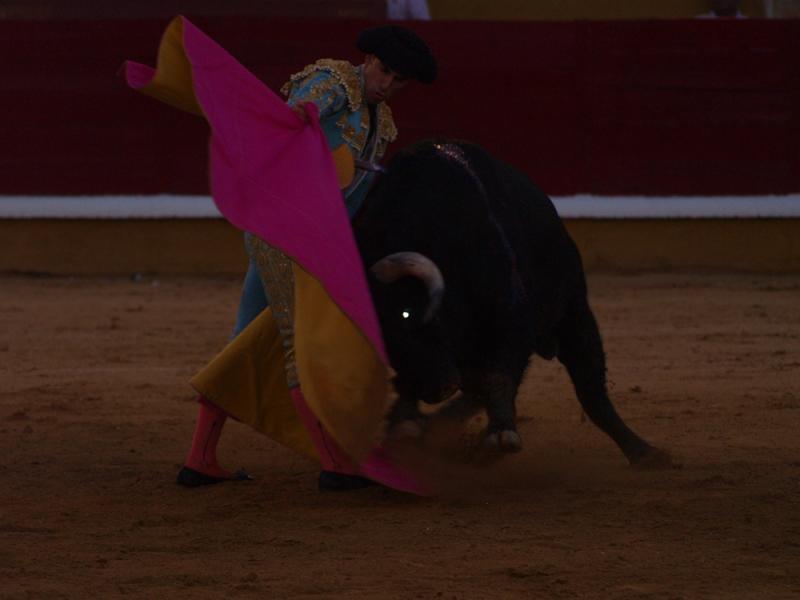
(172, 82)
(248, 381)
(344, 381)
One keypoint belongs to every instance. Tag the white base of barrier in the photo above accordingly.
(581, 206)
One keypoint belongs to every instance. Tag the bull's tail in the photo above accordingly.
(580, 349)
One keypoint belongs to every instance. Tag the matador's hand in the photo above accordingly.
(300, 111)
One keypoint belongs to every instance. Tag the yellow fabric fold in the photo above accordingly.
(248, 381)
(172, 83)
(344, 381)
(345, 165)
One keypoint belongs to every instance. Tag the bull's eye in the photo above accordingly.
(406, 314)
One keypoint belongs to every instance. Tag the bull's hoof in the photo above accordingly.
(506, 440)
(654, 459)
(406, 430)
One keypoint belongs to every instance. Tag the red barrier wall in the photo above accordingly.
(653, 107)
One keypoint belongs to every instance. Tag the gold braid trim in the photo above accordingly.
(344, 73)
(387, 130)
(349, 135)
(348, 76)
(277, 277)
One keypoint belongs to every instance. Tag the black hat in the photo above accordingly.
(401, 50)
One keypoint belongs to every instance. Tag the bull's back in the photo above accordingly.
(494, 234)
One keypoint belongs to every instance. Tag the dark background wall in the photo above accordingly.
(164, 9)
(619, 107)
(482, 10)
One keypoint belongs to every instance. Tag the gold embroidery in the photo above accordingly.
(381, 149)
(277, 277)
(355, 139)
(349, 77)
(343, 72)
(387, 130)
(318, 91)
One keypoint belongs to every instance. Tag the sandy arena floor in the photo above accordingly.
(96, 415)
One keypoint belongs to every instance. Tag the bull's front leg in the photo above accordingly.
(405, 421)
(497, 391)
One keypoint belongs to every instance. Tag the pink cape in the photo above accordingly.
(273, 175)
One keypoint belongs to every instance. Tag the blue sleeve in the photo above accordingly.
(321, 88)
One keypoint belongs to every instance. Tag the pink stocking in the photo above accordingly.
(203, 453)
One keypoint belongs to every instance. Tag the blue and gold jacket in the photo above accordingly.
(336, 87)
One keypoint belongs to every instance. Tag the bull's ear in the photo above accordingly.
(345, 167)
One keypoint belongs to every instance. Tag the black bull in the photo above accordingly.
(506, 282)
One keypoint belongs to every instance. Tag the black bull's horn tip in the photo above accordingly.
(413, 264)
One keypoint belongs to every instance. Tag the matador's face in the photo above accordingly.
(380, 82)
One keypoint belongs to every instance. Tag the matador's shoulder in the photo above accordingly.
(344, 73)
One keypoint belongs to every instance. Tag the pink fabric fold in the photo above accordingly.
(273, 175)
(379, 465)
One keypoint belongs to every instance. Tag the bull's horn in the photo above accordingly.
(413, 264)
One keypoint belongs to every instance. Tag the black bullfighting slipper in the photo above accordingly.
(188, 477)
(331, 481)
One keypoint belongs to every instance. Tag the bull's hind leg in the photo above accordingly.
(581, 352)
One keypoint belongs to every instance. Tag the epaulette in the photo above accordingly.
(345, 74)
